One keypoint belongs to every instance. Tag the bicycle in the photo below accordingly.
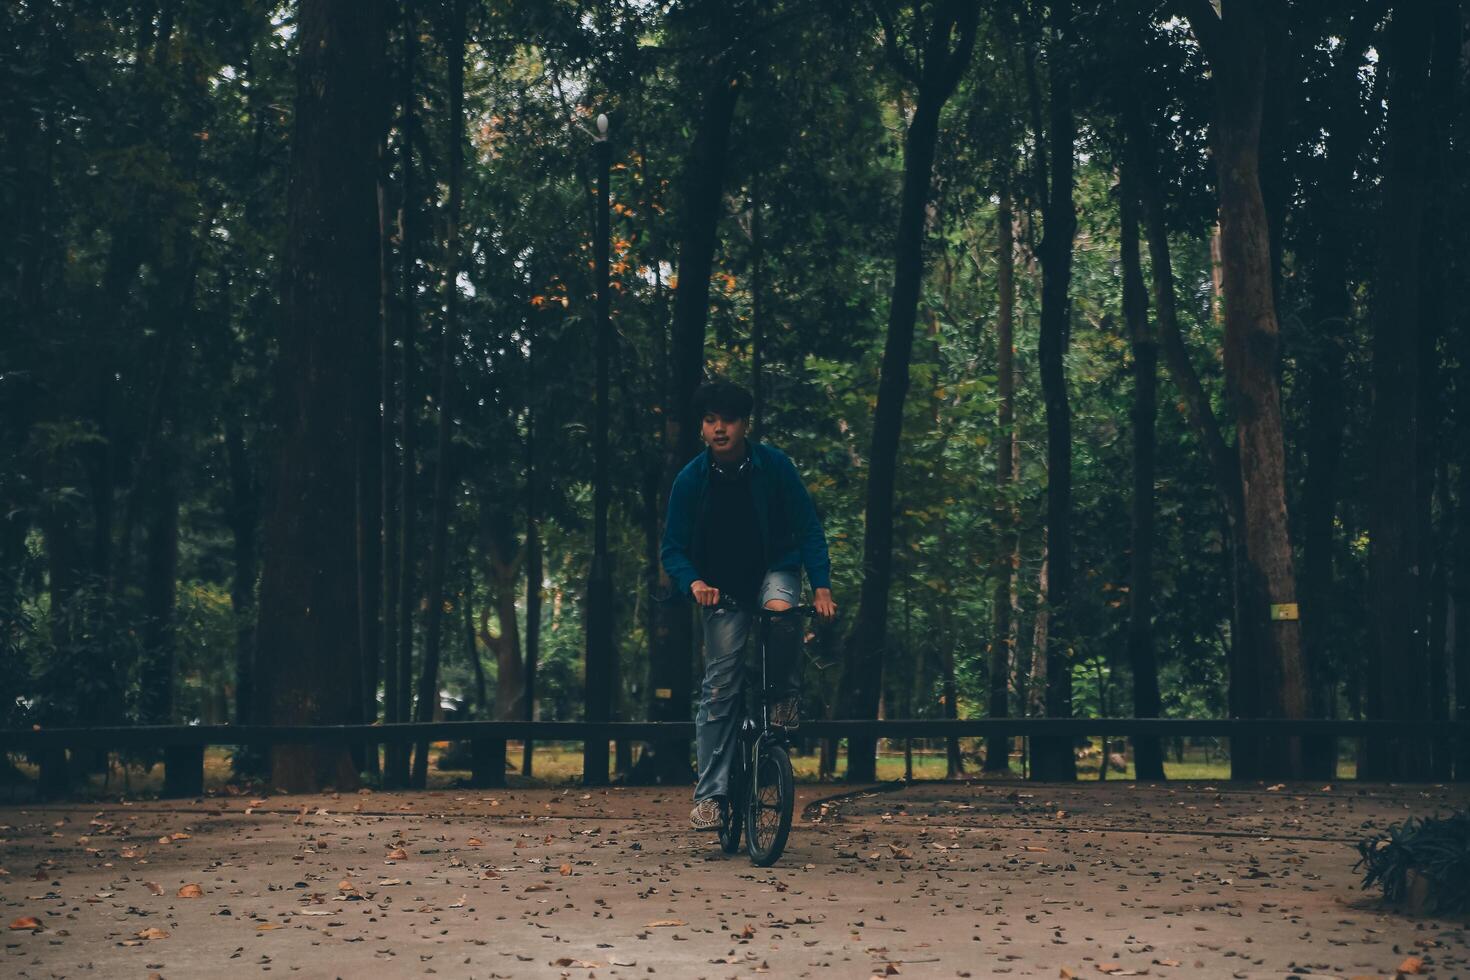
(762, 787)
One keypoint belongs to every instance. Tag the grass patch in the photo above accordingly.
(560, 764)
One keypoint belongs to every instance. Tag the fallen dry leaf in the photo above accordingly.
(153, 887)
(664, 923)
(152, 932)
(1411, 964)
(191, 890)
(267, 926)
(566, 869)
(1032, 847)
(398, 854)
(576, 964)
(474, 842)
(27, 923)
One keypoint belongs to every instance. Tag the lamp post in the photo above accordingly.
(599, 674)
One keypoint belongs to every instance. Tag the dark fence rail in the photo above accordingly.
(161, 736)
(184, 745)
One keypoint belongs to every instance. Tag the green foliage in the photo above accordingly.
(1424, 861)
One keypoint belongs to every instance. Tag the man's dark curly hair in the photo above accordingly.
(722, 397)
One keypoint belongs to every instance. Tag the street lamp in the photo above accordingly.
(600, 675)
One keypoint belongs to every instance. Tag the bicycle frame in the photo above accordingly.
(760, 743)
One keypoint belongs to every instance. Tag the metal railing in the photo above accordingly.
(184, 745)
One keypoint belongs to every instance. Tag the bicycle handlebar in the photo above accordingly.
(726, 602)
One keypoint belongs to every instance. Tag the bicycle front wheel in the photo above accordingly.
(733, 812)
(771, 795)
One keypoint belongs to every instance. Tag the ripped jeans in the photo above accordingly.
(720, 708)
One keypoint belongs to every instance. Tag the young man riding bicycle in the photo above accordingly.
(740, 524)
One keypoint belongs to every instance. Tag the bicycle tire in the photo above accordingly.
(771, 795)
(733, 812)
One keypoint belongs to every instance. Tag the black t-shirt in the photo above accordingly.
(734, 555)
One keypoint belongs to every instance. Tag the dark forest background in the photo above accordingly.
(1119, 344)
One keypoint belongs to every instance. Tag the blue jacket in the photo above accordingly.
(790, 529)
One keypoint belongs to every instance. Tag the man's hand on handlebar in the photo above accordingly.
(823, 604)
(705, 595)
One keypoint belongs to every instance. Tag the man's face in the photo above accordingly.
(726, 436)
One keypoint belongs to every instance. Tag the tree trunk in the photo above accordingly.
(1459, 611)
(1331, 309)
(534, 570)
(160, 582)
(243, 517)
(483, 708)
(1251, 370)
(367, 521)
(867, 642)
(1007, 473)
(388, 472)
(308, 601)
(941, 635)
(600, 677)
(669, 676)
(1148, 756)
(499, 547)
(397, 772)
(935, 77)
(428, 699)
(1143, 163)
(1035, 699)
(1052, 758)
(1396, 551)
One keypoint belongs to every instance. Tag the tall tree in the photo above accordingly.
(1400, 687)
(388, 464)
(396, 769)
(444, 472)
(1330, 206)
(1052, 757)
(535, 570)
(1142, 162)
(308, 601)
(503, 564)
(1148, 758)
(1003, 640)
(1269, 671)
(929, 53)
(702, 185)
(601, 652)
